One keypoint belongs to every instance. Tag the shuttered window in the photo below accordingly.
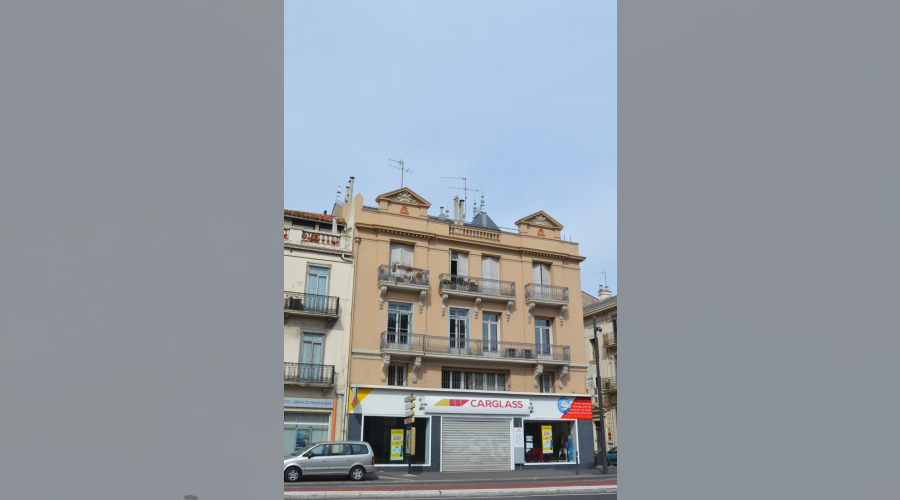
(401, 254)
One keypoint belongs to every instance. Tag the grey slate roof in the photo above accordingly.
(600, 305)
(482, 220)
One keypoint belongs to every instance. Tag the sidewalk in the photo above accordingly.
(397, 484)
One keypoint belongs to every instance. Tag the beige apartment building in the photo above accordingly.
(478, 324)
(604, 310)
(318, 281)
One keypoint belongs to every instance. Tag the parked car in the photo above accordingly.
(611, 455)
(353, 458)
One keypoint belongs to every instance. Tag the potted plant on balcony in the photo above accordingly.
(472, 285)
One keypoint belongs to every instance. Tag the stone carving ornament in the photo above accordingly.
(404, 197)
(385, 363)
(540, 220)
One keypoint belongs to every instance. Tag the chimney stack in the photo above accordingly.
(351, 188)
(604, 294)
(347, 194)
(456, 209)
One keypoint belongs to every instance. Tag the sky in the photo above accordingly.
(518, 97)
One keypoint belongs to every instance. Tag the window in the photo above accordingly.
(396, 374)
(317, 288)
(614, 318)
(546, 382)
(318, 450)
(340, 449)
(542, 336)
(359, 449)
(401, 254)
(476, 381)
(459, 264)
(490, 273)
(377, 432)
(548, 440)
(311, 361)
(399, 325)
(489, 332)
(459, 330)
(304, 224)
(303, 429)
(540, 276)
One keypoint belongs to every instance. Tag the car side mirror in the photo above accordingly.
(310, 455)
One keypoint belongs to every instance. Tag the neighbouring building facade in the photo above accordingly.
(318, 284)
(477, 324)
(604, 310)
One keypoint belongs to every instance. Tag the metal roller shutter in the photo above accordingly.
(476, 445)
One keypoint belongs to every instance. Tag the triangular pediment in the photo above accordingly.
(405, 196)
(540, 219)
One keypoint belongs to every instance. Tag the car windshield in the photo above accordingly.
(299, 451)
(613, 449)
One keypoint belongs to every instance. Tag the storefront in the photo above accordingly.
(307, 420)
(475, 431)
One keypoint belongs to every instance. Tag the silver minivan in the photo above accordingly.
(354, 458)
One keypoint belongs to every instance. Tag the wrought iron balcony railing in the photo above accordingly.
(311, 303)
(478, 285)
(473, 347)
(546, 292)
(307, 373)
(610, 338)
(403, 274)
(608, 384)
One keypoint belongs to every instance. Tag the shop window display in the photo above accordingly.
(377, 432)
(541, 448)
(303, 429)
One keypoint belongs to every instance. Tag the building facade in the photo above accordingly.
(477, 324)
(318, 284)
(605, 312)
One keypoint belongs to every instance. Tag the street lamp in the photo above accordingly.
(599, 426)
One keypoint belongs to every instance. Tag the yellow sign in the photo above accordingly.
(547, 438)
(396, 444)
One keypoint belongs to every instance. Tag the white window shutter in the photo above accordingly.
(407, 255)
(490, 268)
(395, 252)
(536, 272)
(462, 267)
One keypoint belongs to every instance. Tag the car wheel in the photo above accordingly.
(357, 473)
(292, 475)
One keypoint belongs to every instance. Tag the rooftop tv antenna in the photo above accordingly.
(605, 284)
(465, 189)
(401, 168)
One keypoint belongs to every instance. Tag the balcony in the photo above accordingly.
(309, 375)
(546, 295)
(608, 385)
(416, 347)
(467, 287)
(319, 240)
(475, 348)
(402, 278)
(609, 339)
(307, 304)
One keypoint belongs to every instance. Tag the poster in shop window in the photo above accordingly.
(547, 438)
(396, 444)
